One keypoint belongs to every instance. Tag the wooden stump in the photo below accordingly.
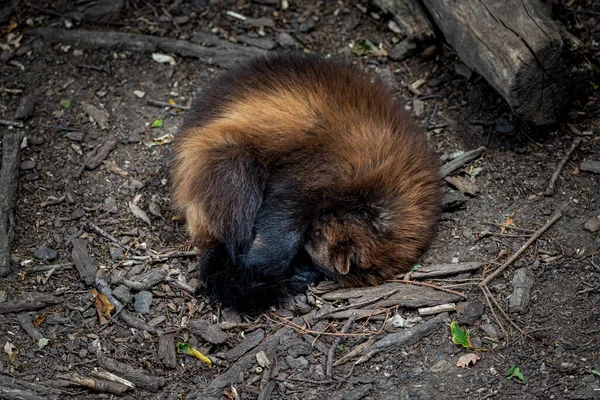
(518, 49)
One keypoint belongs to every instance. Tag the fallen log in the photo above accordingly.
(224, 57)
(11, 144)
(410, 17)
(536, 66)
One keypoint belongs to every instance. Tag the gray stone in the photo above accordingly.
(403, 50)
(122, 293)
(142, 302)
(590, 166)
(45, 253)
(78, 213)
(521, 295)
(135, 184)
(504, 126)
(116, 253)
(592, 224)
(110, 204)
(285, 40)
(441, 366)
(295, 363)
(490, 330)
(469, 312)
(27, 165)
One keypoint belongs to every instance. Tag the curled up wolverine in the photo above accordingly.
(294, 168)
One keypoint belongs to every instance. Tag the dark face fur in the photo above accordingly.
(345, 247)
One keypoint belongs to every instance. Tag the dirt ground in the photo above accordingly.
(560, 359)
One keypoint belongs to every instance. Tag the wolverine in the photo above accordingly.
(293, 168)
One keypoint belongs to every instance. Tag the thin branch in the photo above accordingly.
(531, 240)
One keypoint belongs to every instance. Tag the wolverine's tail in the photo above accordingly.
(252, 290)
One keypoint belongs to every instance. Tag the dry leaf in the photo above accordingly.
(262, 359)
(468, 360)
(103, 306)
(114, 168)
(39, 319)
(509, 221)
(139, 213)
(12, 351)
(154, 209)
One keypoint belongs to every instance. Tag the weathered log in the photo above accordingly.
(531, 62)
(29, 302)
(410, 17)
(224, 57)
(12, 388)
(11, 144)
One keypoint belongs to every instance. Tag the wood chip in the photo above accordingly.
(463, 184)
(99, 115)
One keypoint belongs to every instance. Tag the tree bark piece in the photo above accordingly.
(395, 341)
(11, 144)
(532, 63)
(97, 385)
(27, 325)
(410, 17)
(18, 389)
(460, 161)
(207, 331)
(439, 270)
(395, 293)
(29, 302)
(83, 262)
(224, 58)
(166, 349)
(137, 376)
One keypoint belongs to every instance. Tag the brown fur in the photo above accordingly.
(327, 139)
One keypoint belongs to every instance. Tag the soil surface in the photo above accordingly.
(87, 96)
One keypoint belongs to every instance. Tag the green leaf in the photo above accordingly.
(340, 347)
(416, 267)
(514, 372)
(362, 47)
(43, 342)
(65, 103)
(594, 85)
(183, 348)
(157, 123)
(595, 371)
(459, 335)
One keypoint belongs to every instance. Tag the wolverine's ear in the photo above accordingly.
(342, 262)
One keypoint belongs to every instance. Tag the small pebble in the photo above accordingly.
(469, 312)
(490, 330)
(142, 302)
(285, 40)
(135, 184)
(139, 94)
(592, 224)
(27, 165)
(77, 214)
(45, 253)
(116, 253)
